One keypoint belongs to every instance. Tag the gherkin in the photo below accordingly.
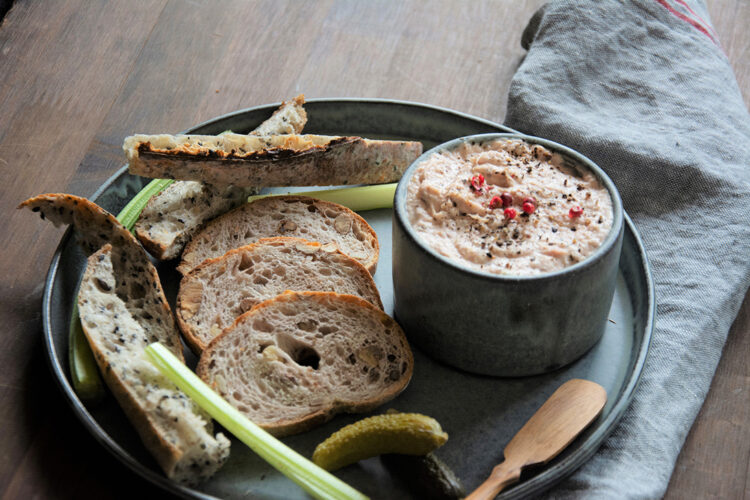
(404, 433)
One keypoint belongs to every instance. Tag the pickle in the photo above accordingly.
(424, 477)
(403, 433)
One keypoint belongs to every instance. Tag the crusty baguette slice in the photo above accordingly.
(171, 217)
(290, 118)
(294, 361)
(272, 160)
(176, 432)
(219, 290)
(123, 309)
(95, 227)
(296, 216)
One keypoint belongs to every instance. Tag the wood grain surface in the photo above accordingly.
(79, 75)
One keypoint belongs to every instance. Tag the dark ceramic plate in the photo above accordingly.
(481, 414)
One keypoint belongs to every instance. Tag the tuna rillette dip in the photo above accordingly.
(508, 207)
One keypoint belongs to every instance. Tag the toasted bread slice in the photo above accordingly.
(123, 309)
(219, 290)
(95, 227)
(273, 160)
(171, 217)
(295, 216)
(290, 118)
(294, 361)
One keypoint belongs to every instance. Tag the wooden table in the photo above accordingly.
(78, 76)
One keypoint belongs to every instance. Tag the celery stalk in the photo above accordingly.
(356, 198)
(133, 209)
(83, 370)
(316, 481)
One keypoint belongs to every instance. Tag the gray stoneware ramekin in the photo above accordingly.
(496, 324)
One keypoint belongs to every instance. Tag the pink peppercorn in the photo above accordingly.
(574, 212)
(507, 199)
(496, 202)
(529, 205)
(476, 184)
(510, 213)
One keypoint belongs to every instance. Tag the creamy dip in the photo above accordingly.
(508, 207)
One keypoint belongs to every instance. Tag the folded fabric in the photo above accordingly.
(644, 90)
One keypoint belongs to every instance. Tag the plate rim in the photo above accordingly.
(536, 484)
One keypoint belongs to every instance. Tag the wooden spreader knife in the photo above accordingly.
(567, 412)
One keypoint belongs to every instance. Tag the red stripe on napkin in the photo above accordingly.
(699, 18)
(697, 25)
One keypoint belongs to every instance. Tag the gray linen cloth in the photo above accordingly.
(644, 89)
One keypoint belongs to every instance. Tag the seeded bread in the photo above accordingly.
(123, 309)
(294, 361)
(290, 118)
(216, 292)
(95, 227)
(178, 434)
(271, 160)
(172, 216)
(295, 216)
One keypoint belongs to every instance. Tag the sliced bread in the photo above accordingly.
(271, 160)
(294, 361)
(95, 227)
(296, 216)
(172, 216)
(290, 118)
(123, 309)
(219, 290)
(176, 432)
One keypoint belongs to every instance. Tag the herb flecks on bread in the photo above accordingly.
(272, 160)
(123, 309)
(289, 118)
(219, 290)
(171, 217)
(294, 361)
(294, 216)
(176, 431)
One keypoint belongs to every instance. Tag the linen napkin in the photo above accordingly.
(644, 89)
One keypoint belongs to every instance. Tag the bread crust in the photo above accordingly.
(166, 454)
(285, 427)
(192, 256)
(267, 161)
(122, 271)
(95, 226)
(289, 118)
(192, 335)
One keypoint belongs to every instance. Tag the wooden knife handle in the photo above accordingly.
(503, 475)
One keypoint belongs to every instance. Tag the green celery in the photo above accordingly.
(133, 209)
(316, 481)
(83, 370)
(357, 198)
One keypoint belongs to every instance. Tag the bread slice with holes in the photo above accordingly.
(294, 361)
(295, 216)
(123, 309)
(172, 216)
(119, 325)
(269, 160)
(218, 291)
